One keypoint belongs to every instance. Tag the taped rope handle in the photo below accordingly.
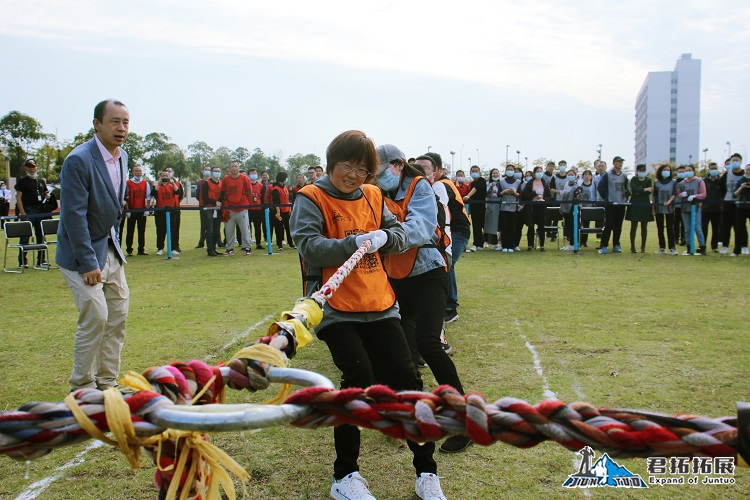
(334, 282)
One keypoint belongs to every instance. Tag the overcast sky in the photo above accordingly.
(551, 79)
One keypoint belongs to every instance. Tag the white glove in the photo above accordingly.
(683, 194)
(377, 239)
(691, 197)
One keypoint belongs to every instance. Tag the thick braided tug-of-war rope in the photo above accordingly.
(187, 465)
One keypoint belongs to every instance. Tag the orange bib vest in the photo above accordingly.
(283, 197)
(214, 192)
(166, 196)
(137, 194)
(366, 289)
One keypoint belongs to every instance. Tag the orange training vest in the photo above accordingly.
(399, 265)
(366, 289)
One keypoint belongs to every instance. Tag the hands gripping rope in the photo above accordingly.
(167, 410)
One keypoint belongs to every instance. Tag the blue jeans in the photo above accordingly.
(696, 224)
(459, 243)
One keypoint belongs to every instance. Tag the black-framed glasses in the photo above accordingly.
(361, 172)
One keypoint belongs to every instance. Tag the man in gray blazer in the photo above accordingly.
(92, 190)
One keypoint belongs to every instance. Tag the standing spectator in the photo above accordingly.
(613, 189)
(137, 197)
(556, 186)
(312, 176)
(280, 196)
(319, 172)
(510, 192)
(255, 212)
(6, 196)
(199, 188)
(679, 227)
(477, 194)
(460, 229)
(492, 210)
(691, 190)
(235, 189)
(570, 191)
(362, 330)
(210, 194)
(549, 173)
(176, 215)
(601, 169)
(742, 195)
(167, 199)
(665, 192)
(300, 183)
(31, 195)
(92, 193)
(640, 210)
(712, 206)
(461, 184)
(536, 190)
(588, 197)
(729, 180)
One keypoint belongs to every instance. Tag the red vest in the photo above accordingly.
(136, 194)
(283, 197)
(255, 195)
(166, 197)
(235, 191)
(199, 183)
(214, 191)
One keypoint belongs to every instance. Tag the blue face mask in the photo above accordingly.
(33, 176)
(206, 173)
(495, 178)
(689, 174)
(666, 174)
(217, 175)
(528, 179)
(734, 165)
(475, 175)
(538, 175)
(253, 177)
(510, 174)
(517, 175)
(562, 170)
(680, 175)
(713, 173)
(387, 181)
(571, 179)
(137, 178)
(641, 175)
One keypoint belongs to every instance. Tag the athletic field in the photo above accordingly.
(653, 332)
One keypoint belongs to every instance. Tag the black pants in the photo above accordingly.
(477, 223)
(613, 216)
(679, 227)
(742, 215)
(729, 212)
(37, 223)
(669, 226)
(202, 239)
(369, 353)
(257, 220)
(136, 218)
(213, 228)
(174, 228)
(280, 226)
(508, 231)
(422, 305)
(4, 210)
(714, 218)
(536, 216)
(568, 226)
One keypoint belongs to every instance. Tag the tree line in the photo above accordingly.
(23, 137)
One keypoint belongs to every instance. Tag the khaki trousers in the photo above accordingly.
(102, 312)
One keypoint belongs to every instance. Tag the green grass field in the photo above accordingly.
(643, 331)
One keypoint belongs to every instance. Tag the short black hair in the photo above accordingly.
(428, 158)
(736, 155)
(436, 159)
(99, 108)
(281, 176)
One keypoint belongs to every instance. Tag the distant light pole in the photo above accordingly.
(429, 148)
(477, 156)
(453, 161)
(599, 152)
(470, 163)
(729, 146)
(527, 161)
(705, 157)
(462, 156)
(506, 153)
(690, 159)
(518, 151)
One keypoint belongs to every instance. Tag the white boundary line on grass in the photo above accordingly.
(37, 488)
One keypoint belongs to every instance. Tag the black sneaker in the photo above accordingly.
(248, 251)
(421, 363)
(451, 316)
(259, 247)
(280, 249)
(455, 444)
(142, 253)
(228, 253)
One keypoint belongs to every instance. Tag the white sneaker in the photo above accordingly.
(517, 249)
(472, 248)
(733, 255)
(160, 252)
(567, 248)
(724, 250)
(660, 251)
(486, 245)
(352, 487)
(745, 251)
(428, 487)
(673, 251)
(497, 247)
(175, 252)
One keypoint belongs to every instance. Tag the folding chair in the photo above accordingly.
(588, 215)
(20, 229)
(550, 214)
(49, 228)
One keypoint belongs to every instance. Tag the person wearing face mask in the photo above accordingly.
(536, 190)
(255, 213)
(570, 192)
(613, 188)
(167, 199)
(199, 187)
(556, 186)
(461, 183)
(210, 194)
(640, 210)
(137, 197)
(588, 196)
(729, 181)
(477, 194)
(742, 215)
(6, 196)
(31, 193)
(664, 194)
(509, 191)
(679, 227)
(691, 191)
(492, 211)
(712, 206)
(280, 196)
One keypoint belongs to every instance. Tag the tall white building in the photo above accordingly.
(667, 115)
